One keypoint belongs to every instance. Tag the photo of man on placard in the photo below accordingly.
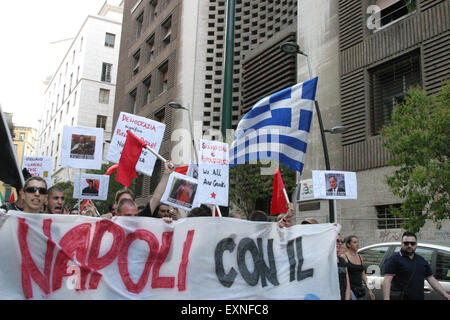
(82, 147)
(182, 192)
(335, 184)
(92, 189)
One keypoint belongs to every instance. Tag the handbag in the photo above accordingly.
(399, 294)
(359, 291)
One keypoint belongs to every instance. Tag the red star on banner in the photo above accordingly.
(213, 195)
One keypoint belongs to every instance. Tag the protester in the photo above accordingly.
(344, 281)
(74, 210)
(405, 272)
(34, 194)
(356, 273)
(162, 210)
(202, 211)
(258, 215)
(127, 207)
(284, 219)
(175, 213)
(236, 215)
(310, 221)
(89, 210)
(55, 200)
(18, 204)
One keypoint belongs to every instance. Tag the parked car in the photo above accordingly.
(437, 255)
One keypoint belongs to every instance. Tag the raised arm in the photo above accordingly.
(159, 191)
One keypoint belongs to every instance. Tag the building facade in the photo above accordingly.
(367, 54)
(173, 50)
(82, 90)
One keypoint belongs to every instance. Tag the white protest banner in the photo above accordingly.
(149, 131)
(213, 173)
(181, 191)
(334, 184)
(91, 186)
(47, 256)
(39, 166)
(82, 148)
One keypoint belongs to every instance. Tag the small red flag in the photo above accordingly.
(279, 204)
(129, 158)
(111, 169)
(12, 199)
(182, 170)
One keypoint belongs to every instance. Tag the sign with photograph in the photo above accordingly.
(334, 184)
(213, 173)
(181, 191)
(39, 166)
(91, 186)
(305, 190)
(149, 131)
(82, 148)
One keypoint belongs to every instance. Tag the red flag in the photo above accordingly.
(279, 204)
(130, 156)
(12, 199)
(216, 212)
(182, 170)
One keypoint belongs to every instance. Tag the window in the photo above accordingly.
(103, 96)
(101, 121)
(153, 9)
(68, 106)
(167, 29)
(160, 116)
(147, 84)
(164, 71)
(110, 40)
(139, 22)
(70, 83)
(81, 44)
(374, 256)
(392, 10)
(136, 58)
(442, 266)
(57, 143)
(21, 136)
(386, 219)
(151, 44)
(389, 84)
(106, 72)
(132, 95)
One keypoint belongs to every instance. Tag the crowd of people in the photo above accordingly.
(405, 271)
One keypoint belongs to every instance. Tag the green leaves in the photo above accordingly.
(418, 138)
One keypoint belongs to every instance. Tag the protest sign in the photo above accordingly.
(305, 190)
(48, 256)
(181, 191)
(149, 131)
(91, 186)
(39, 166)
(82, 148)
(213, 173)
(334, 184)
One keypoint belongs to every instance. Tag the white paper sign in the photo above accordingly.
(213, 173)
(305, 190)
(39, 166)
(334, 184)
(192, 170)
(82, 148)
(181, 191)
(149, 131)
(91, 186)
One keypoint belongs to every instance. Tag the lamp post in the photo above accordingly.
(176, 105)
(293, 48)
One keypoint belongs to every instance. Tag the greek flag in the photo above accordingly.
(276, 128)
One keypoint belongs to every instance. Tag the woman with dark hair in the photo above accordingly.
(356, 273)
(344, 282)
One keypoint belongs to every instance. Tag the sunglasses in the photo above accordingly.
(407, 243)
(339, 241)
(41, 190)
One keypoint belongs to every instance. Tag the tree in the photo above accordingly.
(248, 186)
(418, 138)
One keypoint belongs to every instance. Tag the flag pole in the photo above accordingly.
(158, 156)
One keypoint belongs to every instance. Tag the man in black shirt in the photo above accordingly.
(406, 272)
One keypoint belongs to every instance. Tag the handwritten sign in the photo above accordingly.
(82, 148)
(149, 131)
(47, 256)
(39, 166)
(213, 173)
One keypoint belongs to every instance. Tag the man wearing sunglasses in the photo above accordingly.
(34, 194)
(406, 271)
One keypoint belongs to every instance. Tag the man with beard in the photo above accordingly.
(55, 200)
(406, 271)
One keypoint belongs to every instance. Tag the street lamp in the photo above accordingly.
(175, 105)
(294, 48)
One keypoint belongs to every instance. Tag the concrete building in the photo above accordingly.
(173, 50)
(81, 91)
(366, 61)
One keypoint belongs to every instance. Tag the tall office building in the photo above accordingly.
(174, 50)
(82, 90)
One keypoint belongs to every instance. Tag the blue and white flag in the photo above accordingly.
(276, 128)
